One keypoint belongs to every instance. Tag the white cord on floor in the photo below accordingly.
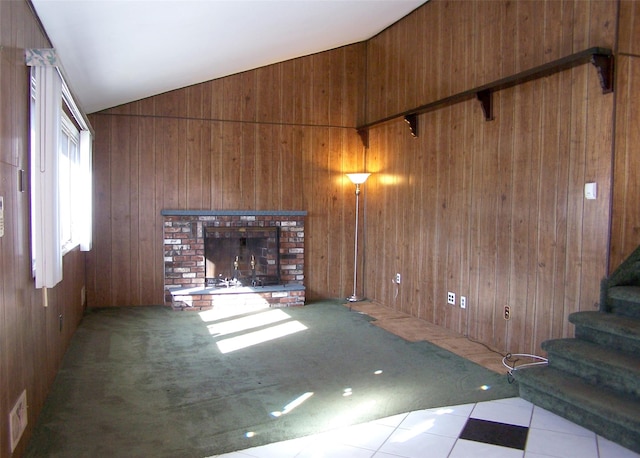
(538, 361)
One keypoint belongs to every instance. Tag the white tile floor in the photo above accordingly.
(434, 433)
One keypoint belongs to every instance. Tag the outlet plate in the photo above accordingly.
(463, 302)
(451, 298)
(18, 420)
(398, 278)
(507, 312)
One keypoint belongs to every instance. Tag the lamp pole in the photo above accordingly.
(357, 179)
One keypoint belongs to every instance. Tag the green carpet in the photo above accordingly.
(148, 381)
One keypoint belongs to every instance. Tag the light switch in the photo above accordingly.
(590, 191)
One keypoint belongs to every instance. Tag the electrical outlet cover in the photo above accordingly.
(451, 298)
(463, 302)
(18, 420)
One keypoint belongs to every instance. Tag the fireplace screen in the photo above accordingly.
(242, 256)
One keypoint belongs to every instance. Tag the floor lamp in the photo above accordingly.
(357, 179)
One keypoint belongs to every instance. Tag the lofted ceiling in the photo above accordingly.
(118, 51)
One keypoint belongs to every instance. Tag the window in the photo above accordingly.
(60, 171)
(69, 183)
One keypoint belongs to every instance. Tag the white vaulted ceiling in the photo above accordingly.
(118, 51)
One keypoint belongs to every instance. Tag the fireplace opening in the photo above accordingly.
(242, 256)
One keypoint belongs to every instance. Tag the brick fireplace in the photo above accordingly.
(221, 256)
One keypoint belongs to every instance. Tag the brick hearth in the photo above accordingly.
(184, 258)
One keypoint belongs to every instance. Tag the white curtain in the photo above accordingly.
(49, 92)
(45, 221)
(86, 214)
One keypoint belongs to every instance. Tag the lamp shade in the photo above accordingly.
(358, 178)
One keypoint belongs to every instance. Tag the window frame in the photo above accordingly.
(70, 132)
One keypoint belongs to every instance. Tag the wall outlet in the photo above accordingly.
(463, 302)
(18, 420)
(398, 279)
(451, 298)
(507, 312)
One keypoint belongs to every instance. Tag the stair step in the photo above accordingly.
(624, 301)
(609, 414)
(628, 273)
(596, 364)
(614, 331)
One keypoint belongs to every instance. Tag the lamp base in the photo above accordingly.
(355, 298)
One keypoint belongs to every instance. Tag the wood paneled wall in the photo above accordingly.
(492, 210)
(33, 338)
(279, 137)
(625, 225)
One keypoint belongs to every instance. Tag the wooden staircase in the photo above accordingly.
(594, 379)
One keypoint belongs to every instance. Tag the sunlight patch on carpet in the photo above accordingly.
(228, 306)
(257, 337)
(247, 322)
(293, 404)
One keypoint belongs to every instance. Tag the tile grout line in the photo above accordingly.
(389, 436)
(526, 443)
(458, 438)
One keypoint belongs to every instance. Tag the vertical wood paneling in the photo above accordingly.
(267, 178)
(484, 236)
(249, 155)
(99, 258)
(149, 222)
(274, 138)
(625, 229)
(629, 28)
(120, 223)
(289, 99)
(216, 165)
(504, 198)
(7, 99)
(494, 210)
(533, 176)
(626, 214)
(575, 210)
(598, 164)
(479, 189)
(31, 342)
(503, 215)
(134, 208)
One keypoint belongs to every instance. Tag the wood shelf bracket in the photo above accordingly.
(412, 120)
(604, 66)
(486, 102)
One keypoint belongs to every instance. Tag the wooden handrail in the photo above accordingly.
(601, 58)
